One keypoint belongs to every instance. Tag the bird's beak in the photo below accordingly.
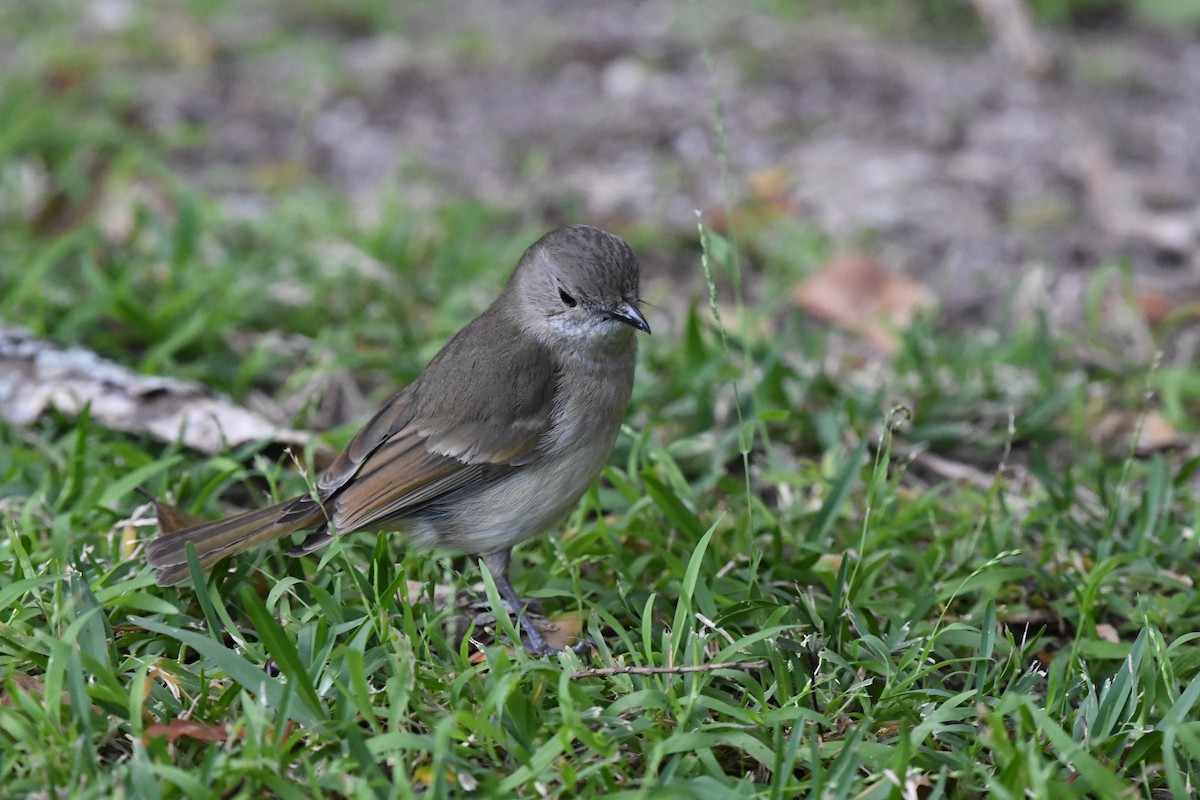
(628, 313)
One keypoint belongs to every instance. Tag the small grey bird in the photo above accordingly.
(494, 442)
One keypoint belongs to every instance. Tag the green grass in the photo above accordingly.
(1028, 634)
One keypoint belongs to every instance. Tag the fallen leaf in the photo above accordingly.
(560, 632)
(1159, 308)
(1154, 306)
(1115, 432)
(888, 729)
(37, 375)
(33, 687)
(187, 729)
(859, 294)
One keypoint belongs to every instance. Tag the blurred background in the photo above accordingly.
(993, 160)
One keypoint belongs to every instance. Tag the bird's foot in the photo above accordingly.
(538, 635)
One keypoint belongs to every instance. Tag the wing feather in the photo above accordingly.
(465, 422)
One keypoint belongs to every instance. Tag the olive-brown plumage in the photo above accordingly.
(494, 442)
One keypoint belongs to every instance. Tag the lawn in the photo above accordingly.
(950, 571)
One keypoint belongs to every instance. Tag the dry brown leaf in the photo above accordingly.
(33, 687)
(187, 729)
(1116, 429)
(37, 375)
(887, 730)
(1155, 307)
(36, 689)
(859, 294)
(560, 632)
(1159, 308)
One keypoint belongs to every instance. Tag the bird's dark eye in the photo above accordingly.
(568, 301)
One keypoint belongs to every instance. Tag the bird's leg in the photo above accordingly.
(497, 563)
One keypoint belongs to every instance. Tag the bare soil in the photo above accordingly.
(944, 159)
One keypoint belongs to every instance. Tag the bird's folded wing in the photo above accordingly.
(421, 447)
(387, 422)
(399, 477)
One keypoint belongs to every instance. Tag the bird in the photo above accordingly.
(493, 443)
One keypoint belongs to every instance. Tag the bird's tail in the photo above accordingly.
(230, 536)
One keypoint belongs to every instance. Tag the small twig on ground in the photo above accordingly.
(1017, 34)
(607, 671)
